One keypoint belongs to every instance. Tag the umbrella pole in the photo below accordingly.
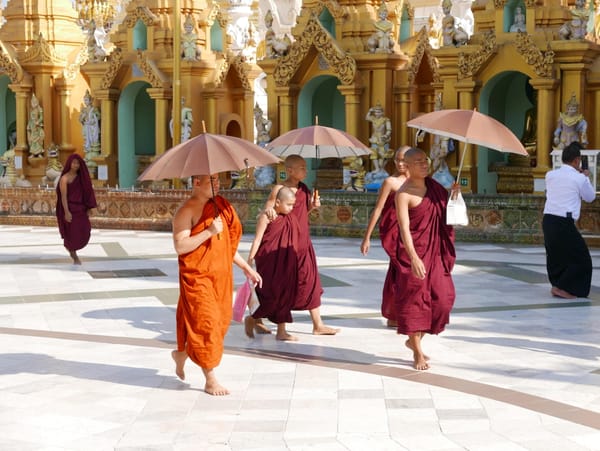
(462, 160)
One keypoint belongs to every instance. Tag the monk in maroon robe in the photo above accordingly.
(309, 289)
(276, 250)
(74, 200)
(427, 258)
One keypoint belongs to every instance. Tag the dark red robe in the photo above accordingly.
(80, 198)
(424, 305)
(389, 234)
(204, 309)
(309, 290)
(277, 263)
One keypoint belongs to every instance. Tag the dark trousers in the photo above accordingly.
(568, 259)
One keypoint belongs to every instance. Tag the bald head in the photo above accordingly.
(293, 160)
(284, 194)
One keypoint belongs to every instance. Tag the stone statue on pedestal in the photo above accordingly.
(35, 129)
(571, 126)
(382, 40)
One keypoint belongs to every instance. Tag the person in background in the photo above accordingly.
(388, 232)
(75, 201)
(568, 259)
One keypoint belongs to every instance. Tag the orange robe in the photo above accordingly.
(204, 309)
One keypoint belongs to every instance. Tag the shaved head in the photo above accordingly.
(293, 160)
(285, 193)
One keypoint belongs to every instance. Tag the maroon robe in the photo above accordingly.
(277, 263)
(424, 305)
(81, 198)
(309, 290)
(389, 234)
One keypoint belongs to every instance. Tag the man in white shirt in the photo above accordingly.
(568, 259)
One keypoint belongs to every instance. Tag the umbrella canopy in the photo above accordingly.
(471, 127)
(207, 154)
(317, 141)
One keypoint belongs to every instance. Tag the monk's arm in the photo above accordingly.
(183, 240)
(248, 270)
(63, 197)
(261, 226)
(270, 203)
(416, 264)
(381, 198)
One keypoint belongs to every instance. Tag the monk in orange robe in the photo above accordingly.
(206, 234)
(426, 258)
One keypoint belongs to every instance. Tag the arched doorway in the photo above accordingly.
(136, 134)
(320, 98)
(7, 115)
(509, 98)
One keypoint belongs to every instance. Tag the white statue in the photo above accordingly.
(274, 47)
(190, 51)
(452, 33)
(53, 168)
(380, 136)
(382, 40)
(186, 122)
(518, 21)
(263, 127)
(89, 117)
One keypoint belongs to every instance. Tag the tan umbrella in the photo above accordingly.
(207, 154)
(317, 141)
(470, 127)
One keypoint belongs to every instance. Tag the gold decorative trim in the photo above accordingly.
(499, 4)
(423, 48)
(115, 62)
(315, 35)
(542, 62)
(142, 13)
(336, 10)
(237, 62)
(470, 64)
(156, 78)
(41, 52)
(530, 3)
(9, 64)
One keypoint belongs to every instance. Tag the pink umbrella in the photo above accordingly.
(317, 141)
(470, 127)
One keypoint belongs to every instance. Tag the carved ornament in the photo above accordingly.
(342, 64)
(337, 11)
(10, 65)
(499, 4)
(423, 48)
(237, 62)
(41, 52)
(155, 77)
(71, 71)
(470, 64)
(142, 13)
(115, 62)
(530, 3)
(542, 62)
(214, 14)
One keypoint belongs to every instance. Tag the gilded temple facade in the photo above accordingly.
(341, 58)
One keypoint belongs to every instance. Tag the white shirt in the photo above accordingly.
(565, 188)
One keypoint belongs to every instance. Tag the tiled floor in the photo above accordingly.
(85, 362)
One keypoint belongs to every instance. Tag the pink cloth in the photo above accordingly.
(425, 305)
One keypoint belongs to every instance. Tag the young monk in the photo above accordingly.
(275, 248)
(206, 234)
(309, 289)
(388, 232)
(427, 296)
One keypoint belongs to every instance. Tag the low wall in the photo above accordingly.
(512, 218)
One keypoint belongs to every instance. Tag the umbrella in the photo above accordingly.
(470, 127)
(207, 154)
(317, 141)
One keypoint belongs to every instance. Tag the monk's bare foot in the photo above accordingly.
(260, 328)
(324, 330)
(392, 323)
(249, 324)
(561, 293)
(179, 357)
(420, 362)
(75, 258)
(410, 346)
(284, 336)
(215, 389)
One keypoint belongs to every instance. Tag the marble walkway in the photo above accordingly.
(85, 357)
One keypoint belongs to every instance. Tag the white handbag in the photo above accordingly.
(456, 211)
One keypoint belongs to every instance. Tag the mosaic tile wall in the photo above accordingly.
(493, 218)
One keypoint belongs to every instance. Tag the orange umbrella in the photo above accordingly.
(470, 127)
(207, 154)
(317, 141)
